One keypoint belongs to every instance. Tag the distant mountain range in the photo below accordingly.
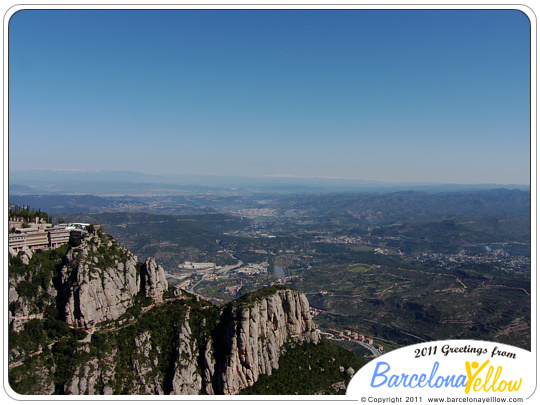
(106, 182)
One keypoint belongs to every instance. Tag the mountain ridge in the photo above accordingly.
(91, 319)
(111, 182)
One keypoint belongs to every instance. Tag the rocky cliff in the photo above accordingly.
(254, 331)
(27, 294)
(98, 282)
(91, 319)
(98, 288)
(243, 342)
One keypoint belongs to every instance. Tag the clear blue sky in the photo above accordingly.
(429, 96)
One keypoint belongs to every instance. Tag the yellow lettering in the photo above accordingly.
(497, 374)
(516, 386)
(477, 383)
(488, 376)
(471, 376)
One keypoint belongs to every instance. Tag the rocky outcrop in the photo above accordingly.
(247, 343)
(186, 379)
(101, 280)
(93, 377)
(20, 310)
(254, 333)
(27, 293)
(208, 366)
(154, 280)
(100, 283)
(84, 379)
(145, 363)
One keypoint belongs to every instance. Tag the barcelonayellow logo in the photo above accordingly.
(473, 379)
(457, 367)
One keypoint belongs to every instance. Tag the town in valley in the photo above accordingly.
(391, 275)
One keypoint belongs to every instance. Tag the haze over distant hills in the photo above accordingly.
(32, 182)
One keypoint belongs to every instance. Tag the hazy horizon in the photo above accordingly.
(408, 96)
(128, 183)
(171, 176)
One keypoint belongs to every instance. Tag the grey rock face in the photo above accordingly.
(23, 308)
(84, 379)
(154, 280)
(99, 282)
(258, 336)
(186, 379)
(209, 367)
(92, 378)
(350, 371)
(96, 293)
(252, 336)
(100, 287)
(145, 363)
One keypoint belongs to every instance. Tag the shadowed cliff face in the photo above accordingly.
(140, 337)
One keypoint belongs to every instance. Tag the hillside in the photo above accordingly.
(92, 319)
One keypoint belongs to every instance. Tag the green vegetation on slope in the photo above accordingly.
(255, 296)
(308, 368)
(33, 285)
